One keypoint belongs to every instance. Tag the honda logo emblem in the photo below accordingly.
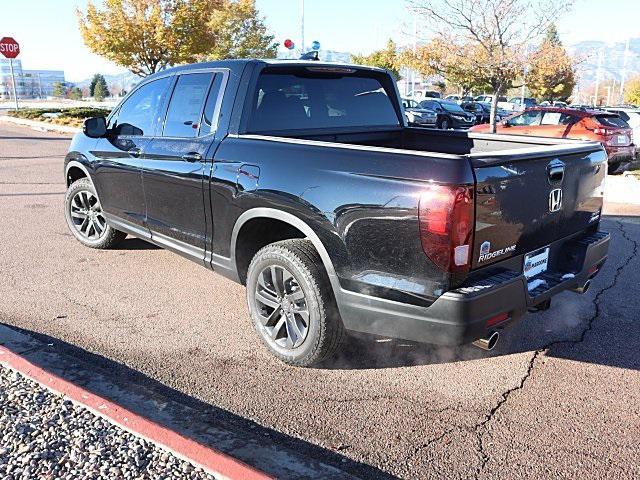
(555, 200)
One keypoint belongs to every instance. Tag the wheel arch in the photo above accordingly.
(75, 170)
(293, 221)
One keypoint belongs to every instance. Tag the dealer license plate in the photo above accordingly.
(622, 139)
(536, 262)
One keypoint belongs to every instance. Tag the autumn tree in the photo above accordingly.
(240, 32)
(551, 75)
(632, 91)
(387, 58)
(146, 36)
(483, 42)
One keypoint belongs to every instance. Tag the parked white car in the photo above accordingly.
(502, 101)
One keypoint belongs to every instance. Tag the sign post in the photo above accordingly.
(11, 49)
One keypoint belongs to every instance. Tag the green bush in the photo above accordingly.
(75, 112)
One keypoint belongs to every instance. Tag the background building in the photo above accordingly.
(29, 83)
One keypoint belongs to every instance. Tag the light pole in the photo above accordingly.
(302, 27)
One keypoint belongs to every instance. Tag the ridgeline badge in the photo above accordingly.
(487, 254)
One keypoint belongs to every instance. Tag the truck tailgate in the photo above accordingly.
(525, 202)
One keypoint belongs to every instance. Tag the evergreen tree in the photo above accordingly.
(97, 78)
(101, 90)
(59, 89)
(552, 36)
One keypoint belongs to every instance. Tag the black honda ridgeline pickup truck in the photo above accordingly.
(302, 181)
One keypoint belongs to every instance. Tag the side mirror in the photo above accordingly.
(95, 127)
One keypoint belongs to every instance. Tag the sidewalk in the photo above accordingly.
(621, 196)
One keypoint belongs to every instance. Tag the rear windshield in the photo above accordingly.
(611, 121)
(302, 100)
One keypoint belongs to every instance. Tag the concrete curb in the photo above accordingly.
(41, 126)
(217, 463)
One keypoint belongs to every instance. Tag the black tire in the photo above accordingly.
(613, 167)
(444, 124)
(324, 329)
(100, 235)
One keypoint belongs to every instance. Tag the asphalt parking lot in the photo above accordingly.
(558, 398)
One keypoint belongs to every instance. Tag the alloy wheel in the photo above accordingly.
(86, 215)
(282, 307)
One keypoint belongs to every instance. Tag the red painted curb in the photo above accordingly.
(213, 461)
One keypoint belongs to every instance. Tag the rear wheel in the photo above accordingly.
(85, 218)
(613, 168)
(291, 303)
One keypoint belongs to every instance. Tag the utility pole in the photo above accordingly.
(598, 73)
(415, 49)
(302, 27)
(623, 77)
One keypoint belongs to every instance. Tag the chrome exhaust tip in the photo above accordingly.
(583, 289)
(488, 343)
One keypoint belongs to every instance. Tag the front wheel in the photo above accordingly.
(444, 124)
(291, 303)
(85, 218)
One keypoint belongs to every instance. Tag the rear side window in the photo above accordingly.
(611, 121)
(557, 118)
(288, 101)
(185, 107)
(429, 104)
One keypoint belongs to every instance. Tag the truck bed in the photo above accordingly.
(477, 145)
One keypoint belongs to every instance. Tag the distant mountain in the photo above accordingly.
(125, 80)
(613, 59)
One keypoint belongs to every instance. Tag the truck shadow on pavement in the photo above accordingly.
(132, 243)
(275, 453)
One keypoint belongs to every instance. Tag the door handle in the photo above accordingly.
(135, 152)
(192, 157)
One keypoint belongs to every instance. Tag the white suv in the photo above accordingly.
(631, 116)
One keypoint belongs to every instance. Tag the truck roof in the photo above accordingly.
(237, 65)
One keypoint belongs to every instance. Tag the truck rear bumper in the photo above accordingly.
(461, 316)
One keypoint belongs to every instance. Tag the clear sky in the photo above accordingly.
(49, 39)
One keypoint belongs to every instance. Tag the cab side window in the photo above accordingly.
(209, 115)
(139, 114)
(185, 107)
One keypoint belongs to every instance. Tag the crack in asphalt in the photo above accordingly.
(479, 427)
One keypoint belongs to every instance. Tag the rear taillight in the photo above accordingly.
(446, 216)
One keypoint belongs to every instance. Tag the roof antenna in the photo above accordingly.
(312, 55)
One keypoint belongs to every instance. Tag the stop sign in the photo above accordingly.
(9, 47)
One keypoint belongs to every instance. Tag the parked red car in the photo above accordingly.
(609, 129)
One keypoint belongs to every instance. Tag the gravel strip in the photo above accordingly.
(45, 436)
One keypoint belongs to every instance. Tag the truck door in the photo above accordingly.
(177, 164)
(118, 162)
